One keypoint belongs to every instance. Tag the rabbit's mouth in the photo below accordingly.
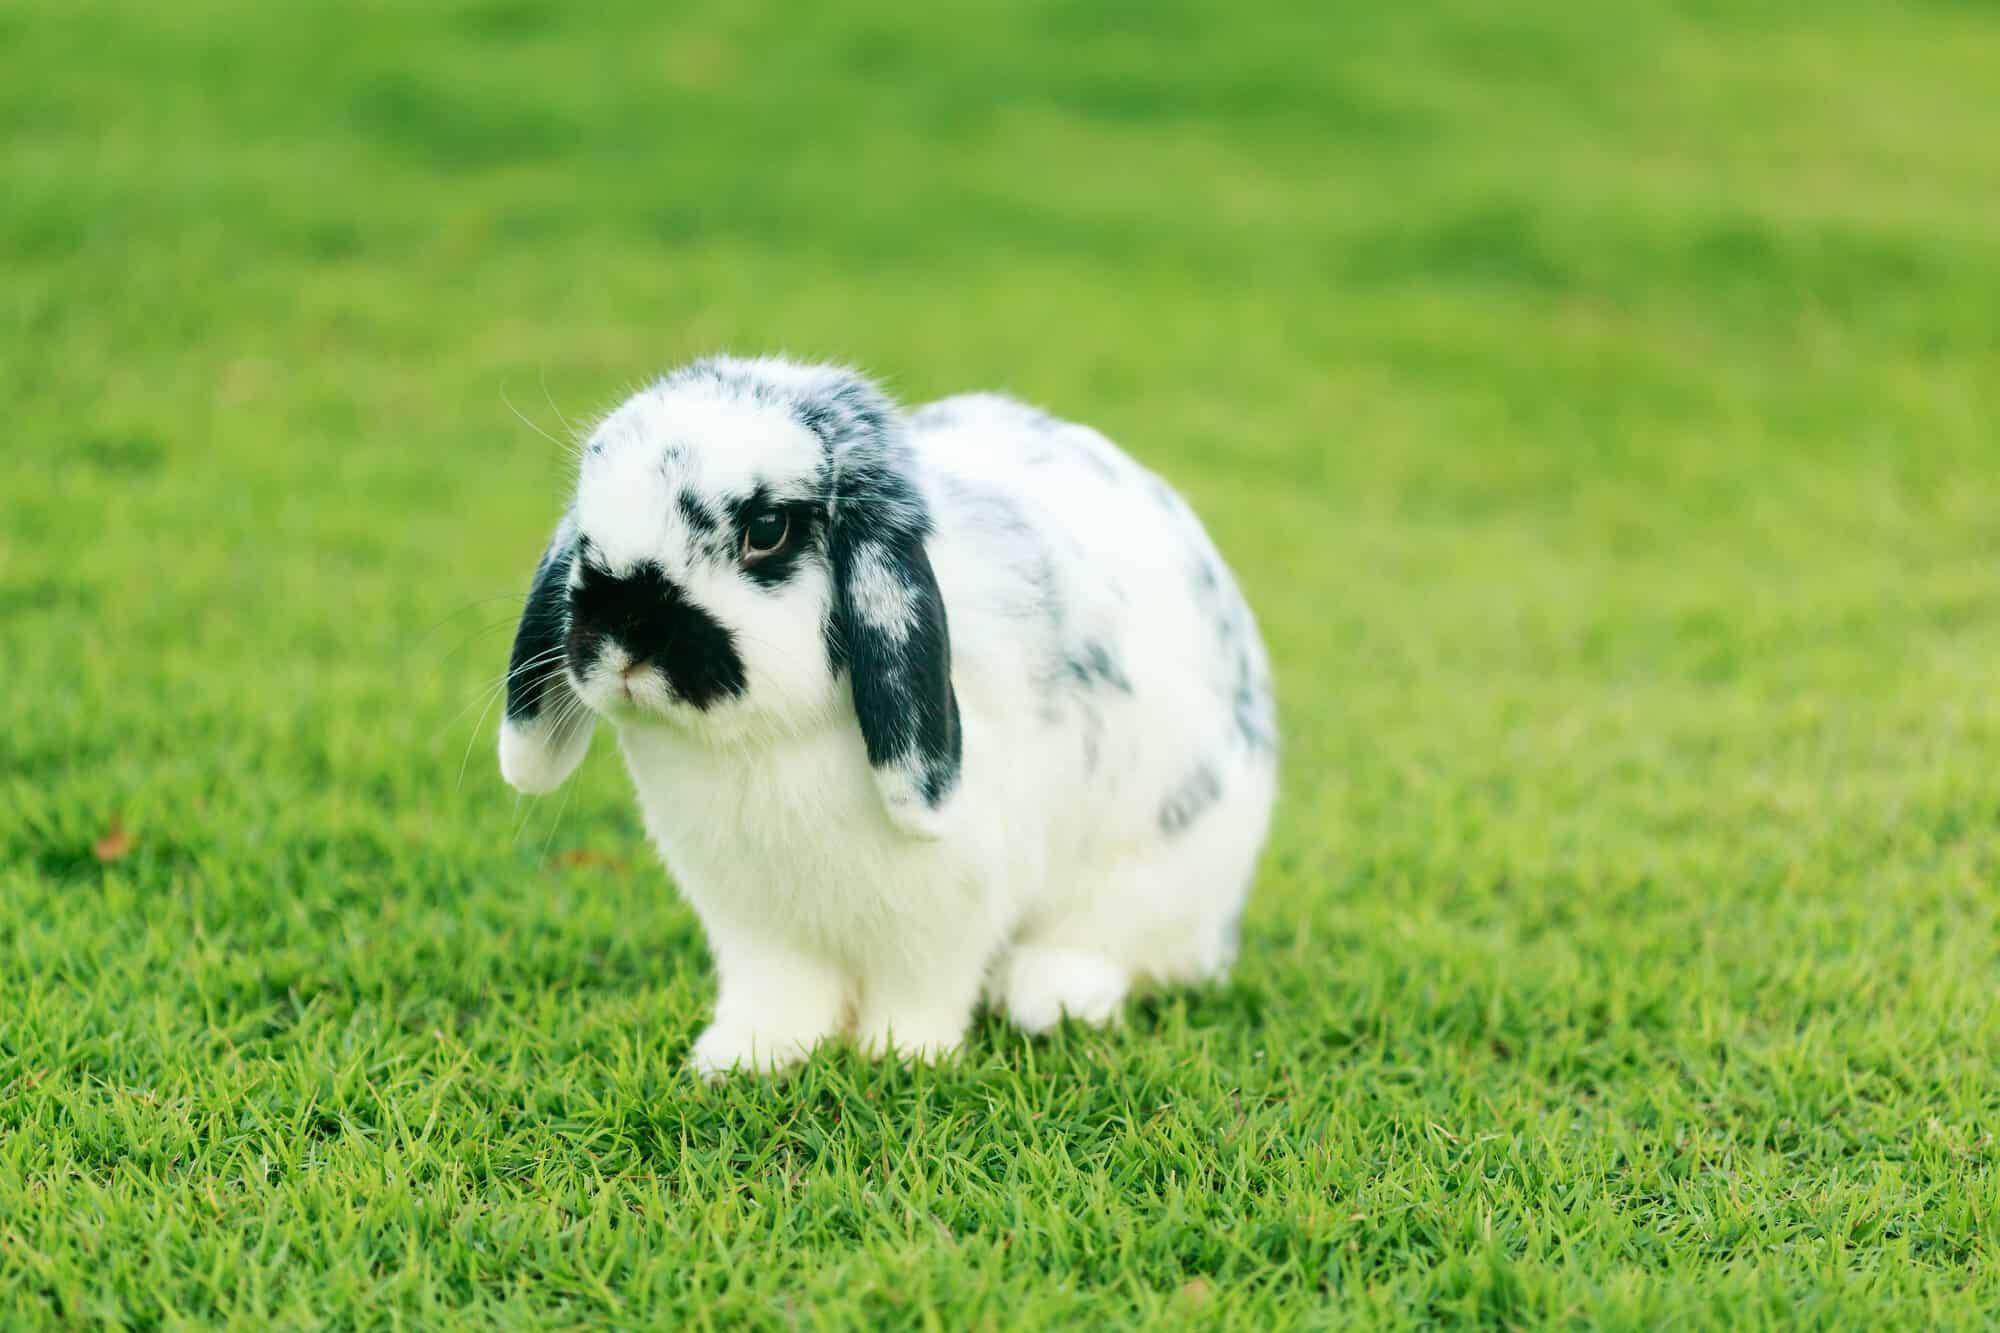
(623, 687)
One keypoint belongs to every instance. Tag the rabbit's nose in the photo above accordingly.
(638, 667)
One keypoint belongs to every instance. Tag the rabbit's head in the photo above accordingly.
(743, 560)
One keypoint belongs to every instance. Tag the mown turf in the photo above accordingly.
(1601, 404)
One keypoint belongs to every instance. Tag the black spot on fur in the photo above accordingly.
(1090, 664)
(648, 615)
(1251, 707)
(1246, 686)
(701, 522)
(1191, 799)
(1081, 674)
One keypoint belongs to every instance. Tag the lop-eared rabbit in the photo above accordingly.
(915, 704)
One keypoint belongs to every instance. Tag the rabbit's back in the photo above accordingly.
(1101, 649)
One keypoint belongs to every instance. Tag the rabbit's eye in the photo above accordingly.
(764, 533)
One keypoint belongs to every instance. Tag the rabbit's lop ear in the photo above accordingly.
(546, 730)
(888, 626)
(890, 619)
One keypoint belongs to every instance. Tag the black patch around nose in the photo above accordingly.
(648, 615)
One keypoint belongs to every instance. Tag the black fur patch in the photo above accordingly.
(537, 656)
(1247, 687)
(648, 615)
(1251, 705)
(1188, 801)
(1091, 664)
(696, 514)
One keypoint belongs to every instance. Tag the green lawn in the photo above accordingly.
(1601, 404)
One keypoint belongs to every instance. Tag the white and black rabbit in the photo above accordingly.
(914, 704)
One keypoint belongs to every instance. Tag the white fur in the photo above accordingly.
(1047, 874)
(882, 599)
(537, 758)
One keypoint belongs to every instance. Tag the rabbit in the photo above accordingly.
(919, 707)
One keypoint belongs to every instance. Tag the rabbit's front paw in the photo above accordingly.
(738, 1048)
(917, 1036)
(1044, 983)
(922, 1014)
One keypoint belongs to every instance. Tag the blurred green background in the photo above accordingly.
(1599, 404)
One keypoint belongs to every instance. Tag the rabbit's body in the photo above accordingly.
(1111, 768)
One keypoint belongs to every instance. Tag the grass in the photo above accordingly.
(1601, 405)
